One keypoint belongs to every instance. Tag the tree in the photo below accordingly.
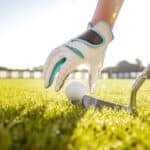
(125, 66)
(138, 62)
(3, 68)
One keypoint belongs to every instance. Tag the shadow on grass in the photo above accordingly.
(43, 129)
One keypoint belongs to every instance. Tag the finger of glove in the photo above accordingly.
(93, 78)
(54, 65)
(49, 59)
(64, 72)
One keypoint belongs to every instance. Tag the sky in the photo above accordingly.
(30, 29)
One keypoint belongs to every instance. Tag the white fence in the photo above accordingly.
(20, 74)
(75, 75)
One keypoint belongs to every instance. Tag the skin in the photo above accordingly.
(107, 10)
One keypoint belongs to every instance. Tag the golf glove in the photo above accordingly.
(88, 48)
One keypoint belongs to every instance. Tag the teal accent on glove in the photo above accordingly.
(55, 70)
(75, 50)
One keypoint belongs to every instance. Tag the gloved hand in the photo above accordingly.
(89, 48)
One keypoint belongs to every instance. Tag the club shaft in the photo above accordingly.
(137, 84)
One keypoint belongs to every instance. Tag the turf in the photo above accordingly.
(32, 117)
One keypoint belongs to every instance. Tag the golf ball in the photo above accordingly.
(75, 90)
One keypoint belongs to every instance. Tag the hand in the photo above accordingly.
(89, 48)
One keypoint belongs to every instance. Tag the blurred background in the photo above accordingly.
(30, 29)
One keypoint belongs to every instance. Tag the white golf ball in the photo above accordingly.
(75, 90)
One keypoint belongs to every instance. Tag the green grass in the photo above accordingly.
(32, 117)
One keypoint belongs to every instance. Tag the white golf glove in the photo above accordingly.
(89, 48)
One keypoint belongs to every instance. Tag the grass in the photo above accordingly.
(32, 117)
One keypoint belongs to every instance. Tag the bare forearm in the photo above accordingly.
(107, 10)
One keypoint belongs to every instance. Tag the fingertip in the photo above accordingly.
(60, 82)
(58, 87)
(46, 85)
(92, 91)
(93, 88)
